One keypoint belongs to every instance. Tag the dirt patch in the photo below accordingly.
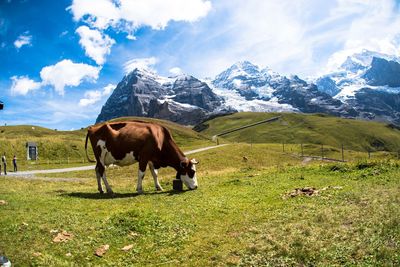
(308, 191)
(64, 236)
(306, 160)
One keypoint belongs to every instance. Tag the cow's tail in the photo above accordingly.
(87, 156)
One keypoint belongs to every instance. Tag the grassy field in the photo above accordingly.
(243, 214)
(307, 129)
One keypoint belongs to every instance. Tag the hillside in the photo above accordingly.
(307, 129)
(60, 145)
(52, 144)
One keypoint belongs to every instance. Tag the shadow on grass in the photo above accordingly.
(97, 195)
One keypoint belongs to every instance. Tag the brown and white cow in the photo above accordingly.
(125, 143)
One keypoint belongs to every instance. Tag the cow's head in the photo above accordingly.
(187, 173)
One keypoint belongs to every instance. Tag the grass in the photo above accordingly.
(307, 129)
(238, 216)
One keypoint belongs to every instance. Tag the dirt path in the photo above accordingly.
(308, 159)
(30, 174)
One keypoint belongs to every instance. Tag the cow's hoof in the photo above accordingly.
(139, 192)
(110, 193)
(159, 189)
(101, 192)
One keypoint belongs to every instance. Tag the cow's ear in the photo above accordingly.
(194, 161)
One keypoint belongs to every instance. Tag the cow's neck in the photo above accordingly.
(175, 155)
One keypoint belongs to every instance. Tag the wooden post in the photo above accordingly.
(342, 153)
(302, 152)
(322, 151)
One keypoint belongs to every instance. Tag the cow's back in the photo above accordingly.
(139, 135)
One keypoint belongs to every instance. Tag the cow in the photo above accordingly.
(125, 143)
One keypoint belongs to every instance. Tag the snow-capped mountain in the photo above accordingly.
(371, 70)
(183, 99)
(369, 82)
(247, 88)
(366, 85)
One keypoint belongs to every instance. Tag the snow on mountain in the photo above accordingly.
(244, 86)
(362, 60)
(234, 100)
(366, 70)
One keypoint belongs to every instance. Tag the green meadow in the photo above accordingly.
(246, 211)
(294, 128)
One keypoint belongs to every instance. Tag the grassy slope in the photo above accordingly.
(51, 144)
(236, 217)
(56, 145)
(308, 129)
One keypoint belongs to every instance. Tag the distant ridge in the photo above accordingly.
(295, 128)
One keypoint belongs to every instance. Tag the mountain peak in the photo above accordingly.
(142, 71)
(363, 59)
(246, 66)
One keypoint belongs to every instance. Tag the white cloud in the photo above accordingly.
(96, 44)
(131, 37)
(268, 33)
(375, 27)
(288, 36)
(108, 89)
(99, 14)
(23, 39)
(176, 71)
(93, 96)
(63, 33)
(23, 85)
(130, 15)
(90, 98)
(140, 63)
(67, 73)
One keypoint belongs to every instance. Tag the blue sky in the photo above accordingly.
(60, 60)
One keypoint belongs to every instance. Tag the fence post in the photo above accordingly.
(322, 151)
(302, 152)
(342, 153)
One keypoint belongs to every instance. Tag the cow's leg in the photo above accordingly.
(102, 173)
(141, 173)
(99, 174)
(154, 173)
